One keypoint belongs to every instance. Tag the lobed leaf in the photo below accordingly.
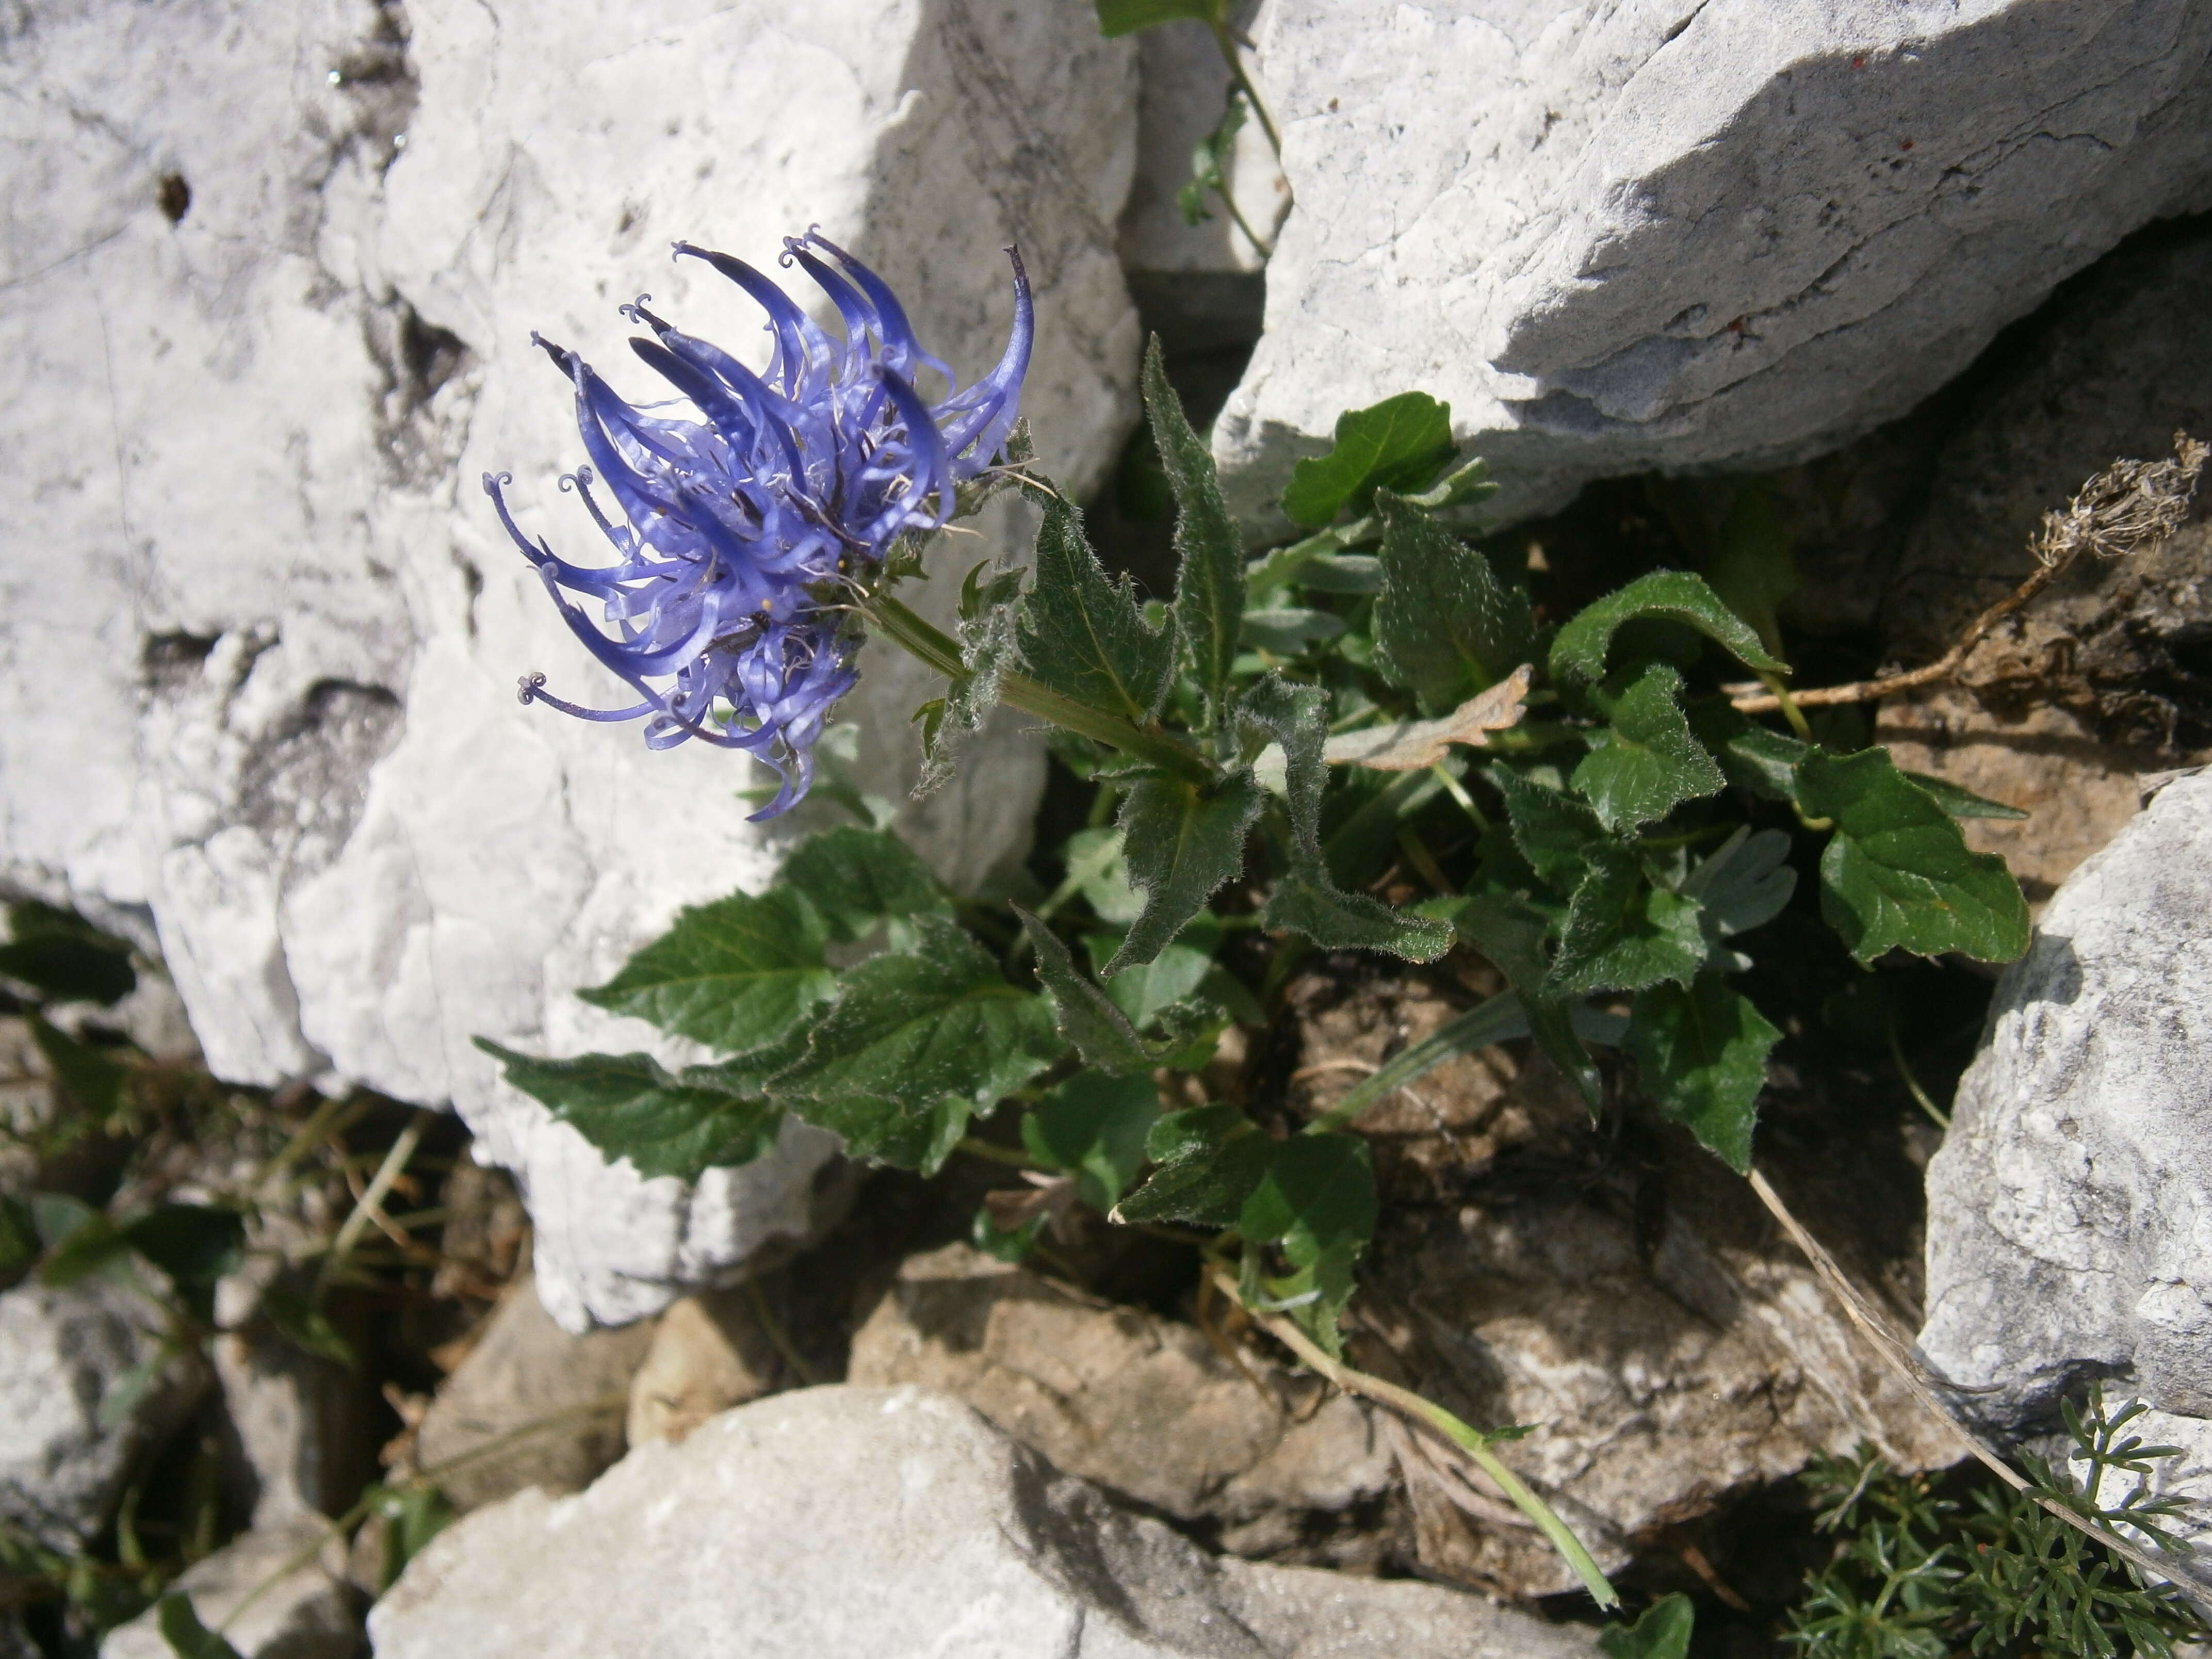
(1209, 1160)
(735, 974)
(1446, 626)
(1399, 444)
(1621, 933)
(1209, 599)
(1676, 596)
(1180, 841)
(630, 1107)
(1084, 634)
(1646, 763)
(1700, 1052)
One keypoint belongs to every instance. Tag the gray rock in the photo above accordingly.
(306, 1428)
(64, 1355)
(840, 1522)
(265, 636)
(1672, 235)
(530, 1405)
(1184, 90)
(2071, 1208)
(298, 1608)
(708, 1354)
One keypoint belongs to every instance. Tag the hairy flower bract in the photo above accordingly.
(745, 508)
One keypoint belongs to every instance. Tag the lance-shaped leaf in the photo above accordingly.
(1745, 883)
(1446, 627)
(1316, 1198)
(63, 957)
(1209, 601)
(1209, 1159)
(184, 1635)
(1958, 801)
(1512, 934)
(1700, 1052)
(1644, 762)
(917, 1041)
(1399, 444)
(1083, 634)
(857, 879)
(94, 1079)
(1622, 933)
(735, 974)
(1677, 596)
(1551, 829)
(1416, 745)
(630, 1107)
(1093, 1126)
(1180, 841)
(1100, 1031)
(1898, 873)
(1308, 901)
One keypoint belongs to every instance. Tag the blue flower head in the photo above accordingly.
(741, 518)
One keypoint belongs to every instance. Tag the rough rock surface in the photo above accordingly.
(1142, 1406)
(266, 308)
(1667, 235)
(708, 1354)
(2070, 1207)
(1183, 89)
(841, 1522)
(62, 1352)
(305, 1425)
(307, 1613)
(525, 1370)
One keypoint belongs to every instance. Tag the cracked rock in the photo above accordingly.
(849, 1523)
(1673, 235)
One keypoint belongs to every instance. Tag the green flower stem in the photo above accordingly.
(1498, 1020)
(912, 634)
(1471, 1441)
(1230, 55)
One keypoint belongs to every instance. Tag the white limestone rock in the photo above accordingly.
(272, 1593)
(1664, 233)
(2069, 1211)
(1184, 91)
(851, 1524)
(265, 307)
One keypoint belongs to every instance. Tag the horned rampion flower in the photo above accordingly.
(749, 508)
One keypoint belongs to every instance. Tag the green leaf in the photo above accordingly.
(79, 1243)
(1290, 630)
(1093, 1126)
(1960, 803)
(1664, 1631)
(413, 1515)
(1120, 17)
(1180, 841)
(94, 1079)
(65, 957)
(1316, 1198)
(305, 1326)
(1512, 934)
(196, 1244)
(1307, 899)
(1622, 933)
(989, 613)
(1209, 1158)
(857, 879)
(1751, 570)
(735, 974)
(1084, 634)
(917, 1043)
(1445, 625)
(629, 1107)
(1646, 763)
(1399, 444)
(187, 1638)
(1745, 883)
(19, 1239)
(1754, 758)
(1898, 874)
(1701, 1054)
(1209, 601)
(1460, 487)
(1551, 829)
(1086, 1017)
(1676, 596)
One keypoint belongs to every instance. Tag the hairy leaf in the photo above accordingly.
(1676, 596)
(1209, 600)
(63, 957)
(1316, 1197)
(630, 1107)
(1622, 933)
(1645, 762)
(1700, 1052)
(857, 880)
(986, 631)
(1398, 444)
(1552, 829)
(1180, 841)
(1416, 745)
(1120, 17)
(1083, 634)
(1897, 873)
(1209, 1158)
(1754, 757)
(1307, 899)
(735, 974)
(1958, 801)
(910, 1033)
(1445, 626)
(1100, 1029)
(1512, 934)
(1093, 1126)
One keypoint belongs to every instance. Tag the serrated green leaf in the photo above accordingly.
(1209, 1159)
(1898, 873)
(196, 1244)
(1745, 883)
(1316, 1198)
(1552, 830)
(1664, 1631)
(735, 974)
(1209, 601)
(1173, 976)
(1307, 899)
(1120, 17)
(187, 1638)
(1445, 625)
(857, 879)
(630, 1107)
(94, 1079)
(1180, 841)
(917, 1041)
(1958, 801)
(1646, 763)
(1676, 596)
(1093, 1126)
(1754, 757)
(1700, 1052)
(1621, 933)
(1512, 934)
(1399, 444)
(1751, 570)
(1084, 634)
(65, 957)
(1100, 1030)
